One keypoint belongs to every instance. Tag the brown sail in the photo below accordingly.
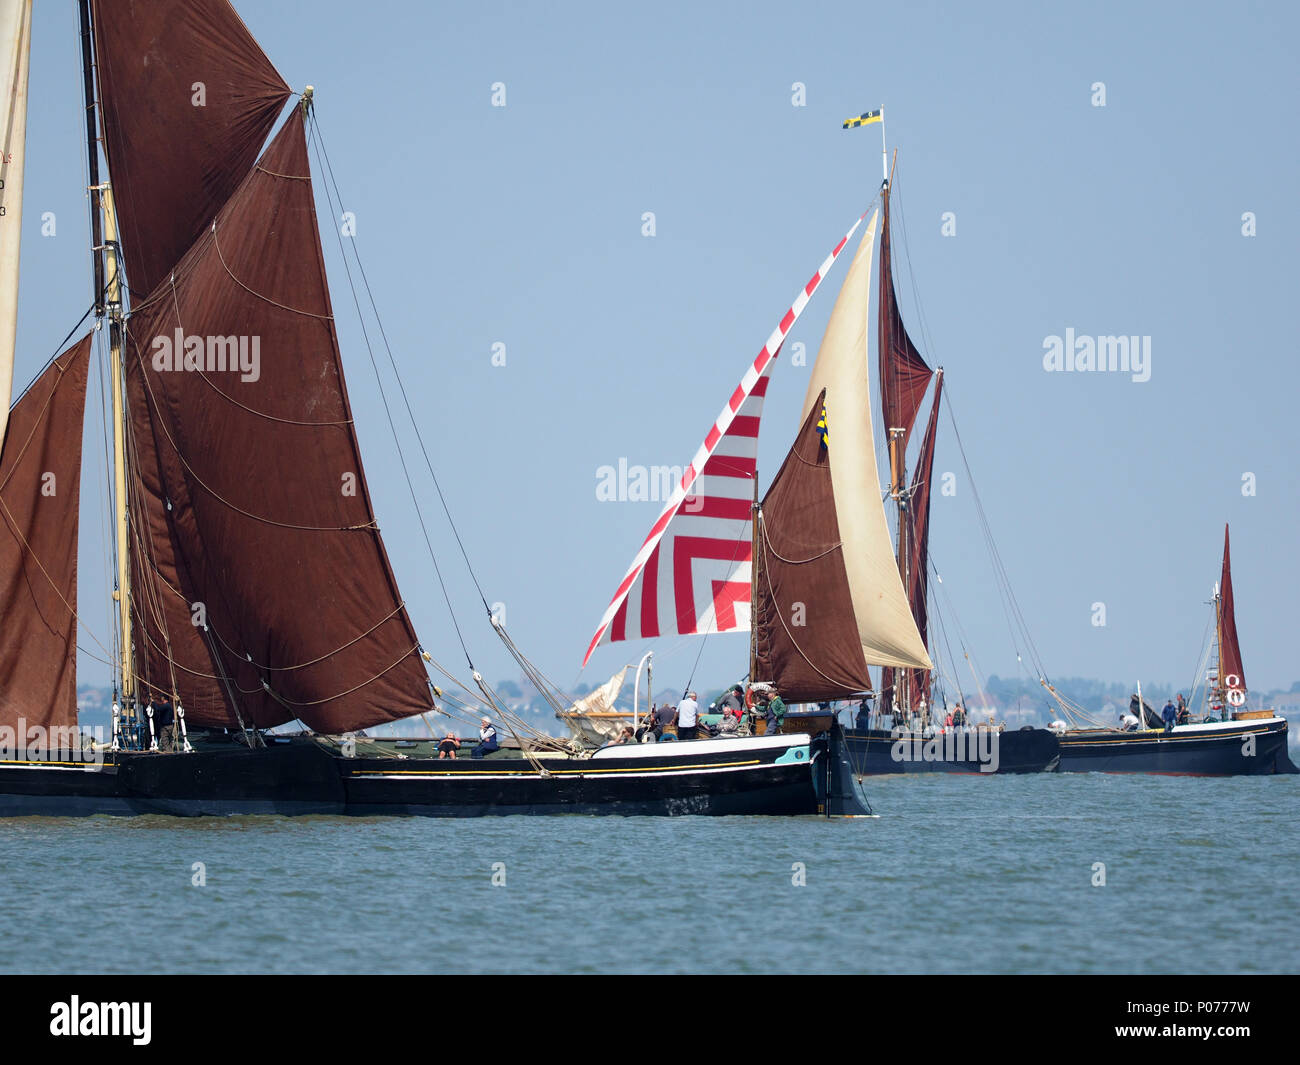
(1232, 677)
(187, 100)
(40, 493)
(250, 503)
(805, 636)
(904, 375)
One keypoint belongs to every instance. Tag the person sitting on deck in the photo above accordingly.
(449, 745)
(487, 735)
(958, 716)
(663, 717)
(626, 736)
(733, 701)
(1169, 715)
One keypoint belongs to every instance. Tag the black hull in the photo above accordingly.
(873, 752)
(792, 776)
(1206, 752)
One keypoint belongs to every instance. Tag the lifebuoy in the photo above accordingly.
(1237, 697)
(749, 698)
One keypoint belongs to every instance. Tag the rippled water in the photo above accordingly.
(958, 874)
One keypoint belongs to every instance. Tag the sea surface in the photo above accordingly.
(957, 874)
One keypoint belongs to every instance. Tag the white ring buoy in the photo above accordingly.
(1237, 697)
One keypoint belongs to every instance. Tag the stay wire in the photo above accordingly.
(329, 169)
(321, 155)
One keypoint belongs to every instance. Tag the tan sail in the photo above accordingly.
(885, 625)
(15, 53)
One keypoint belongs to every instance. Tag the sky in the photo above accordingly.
(1097, 168)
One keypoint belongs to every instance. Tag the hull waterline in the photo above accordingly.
(1230, 748)
(782, 775)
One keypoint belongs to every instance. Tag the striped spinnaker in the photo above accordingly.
(692, 573)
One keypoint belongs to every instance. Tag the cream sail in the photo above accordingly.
(15, 51)
(885, 625)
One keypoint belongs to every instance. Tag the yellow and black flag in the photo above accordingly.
(865, 119)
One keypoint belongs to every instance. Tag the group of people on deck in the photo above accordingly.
(684, 717)
(487, 741)
(1173, 714)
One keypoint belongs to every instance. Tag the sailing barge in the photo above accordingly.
(809, 569)
(1226, 739)
(252, 586)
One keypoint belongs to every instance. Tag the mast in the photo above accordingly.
(113, 295)
(107, 264)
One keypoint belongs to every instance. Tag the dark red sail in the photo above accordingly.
(250, 494)
(805, 636)
(187, 99)
(40, 493)
(904, 375)
(1231, 674)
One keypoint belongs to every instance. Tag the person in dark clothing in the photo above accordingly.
(774, 711)
(863, 719)
(487, 735)
(1184, 715)
(164, 719)
(1169, 715)
(663, 717)
(449, 746)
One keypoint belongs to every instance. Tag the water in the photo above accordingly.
(959, 874)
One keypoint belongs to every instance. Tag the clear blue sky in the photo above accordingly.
(522, 225)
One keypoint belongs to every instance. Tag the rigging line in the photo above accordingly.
(60, 350)
(315, 661)
(1005, 594)
(324, 155)
(36, 425)
(13, 527)
(415, 649)
(274, 303)
(369, 526)
(392, 426)
(772, 592)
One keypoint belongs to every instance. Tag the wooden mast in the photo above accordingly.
(113, 300)
(108, 303)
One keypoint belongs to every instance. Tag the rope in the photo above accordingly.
(267, 299)
(365, 526)
(383, 395)
(771, 592)
(231, 399)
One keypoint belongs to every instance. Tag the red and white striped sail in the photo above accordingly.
(692, 574)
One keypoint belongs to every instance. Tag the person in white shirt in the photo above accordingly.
(688, 716)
